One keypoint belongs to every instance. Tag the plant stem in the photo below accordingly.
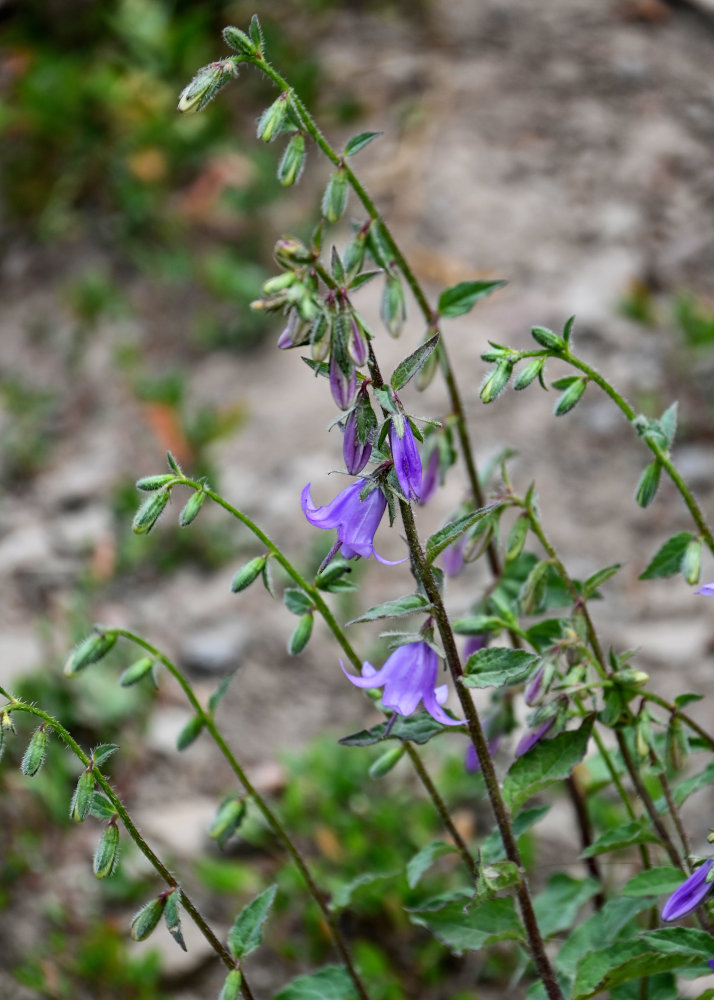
(133, 832)
(270, 817)
(586, 837)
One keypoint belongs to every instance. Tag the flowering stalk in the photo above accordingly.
(15, 705)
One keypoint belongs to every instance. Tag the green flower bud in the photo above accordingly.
(134, 673)
(34, 756)
(273, 118)
(206, 84)
(532, 371)
(293, 161)
(393, 308)
(239, 41)
(320, 337)
(231, 987)
(107, 853)
(532, 594)
(83, 797)
(647, 486)
(570, 397)
(190, 511)
(517, 537)
(150, 511)
(229, 817)
(151, 483)
(172, 917)
(290, 251)
(496, 381)
(387, 761)
(334, 200)
(248, 573)
(279, 282)
(546, 338)
(147, 918)
(691, 564)
(190, 732)
(301, 636)
(90, 650)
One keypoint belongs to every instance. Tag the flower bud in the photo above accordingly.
(496, 381)
(82, 799)
(648, 484)
(353, 256)
(107, 853)
(546, 338)
(431, 476)
(248, 574)
(320, 337)
(150, 511)
(95, 647)
(151, 483)
(138, 670)
(532, 593)
(536, 687)
(384, 764)
(206, 84)
(190, 732)
(293, 161)
(632, 677)
(239, 41)
(528, 374)
(691, 565)
(172, 917)
(343, 379)
(279, 282)
(356, 453)
(301, 636)
(190, 511)
(393, 309)
(427, 372)
(334, 200)
(356, 342)
(273, 118)
(517, 537)
(290, 251)
(571, 396)
(228, 819)
(34, 756)
(147, 918)
(231, 987)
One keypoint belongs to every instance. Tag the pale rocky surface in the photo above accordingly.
(565, 146)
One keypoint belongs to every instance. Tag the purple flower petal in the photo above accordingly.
(707, 589)
(690, 894)
(430, 478)
(533, 736)
(356, 520)
(407, 463)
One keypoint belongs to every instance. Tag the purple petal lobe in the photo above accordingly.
(690, 894)
(707, 589)
(407, 463)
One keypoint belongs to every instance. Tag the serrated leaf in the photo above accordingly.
(625, 835)
(653, 882)
(479, 927)
(556, 907)
(359, 141)
(667, 560)
(442, 538)
(342, 895)
(461, 298)
(410, 729)
(217, 696)
(394, 609)
(413, 363)
(424, 859)
(497, 666)
(246, 933)
(331, 983)
(549, 761)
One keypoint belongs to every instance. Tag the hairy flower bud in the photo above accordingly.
(239, 41)
(248, 573)
(393, 309)
(206, 84)
(496, 381)
(150, 511)
(355, 452)
(147, 918)
(343, 378)
(334, 200)
(81, 804)
(34, 756)
(290, 251)
(107, 853)
(139, 669)
(95, 647)
(273, 118)
(293, 161)
(191, 509)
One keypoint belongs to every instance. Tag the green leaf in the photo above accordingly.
(461, 298)
(492, 848)
(455, 529)
(481, 926)
(413, 729)
(668, 423)
(413, 363)
(331, 983)
(557, 906)
(693, 784)
(217, 696)
(394, 609)
(424, 859)
(549, 761)
(496, 667)
(297, 601)
(597, 579)
(614, 922)
(653, 882)
(686, 699)
(359, 141)
(103, 752)
(101, 807)
(342, 895)
(190, 732)
(667, 560)
(246, 933)
(625, 835)
(476, 624)
(173, 919)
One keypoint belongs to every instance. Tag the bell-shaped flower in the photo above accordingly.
(407, 463)
(355, 519)
(408, 677)
(690, 894)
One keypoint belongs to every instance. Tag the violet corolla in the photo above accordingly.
(690, 894)
(707, 589)
(407, 463)
(355, 519)
(408, 677)
(533, 736)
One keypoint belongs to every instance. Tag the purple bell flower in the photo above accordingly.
(690, 894)
(533, 736)
(408, 677)
(356, 455)
(707, 589)
(430, 480)
(356, 520)
(407, 463)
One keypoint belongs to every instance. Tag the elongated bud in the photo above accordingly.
(572, 395)
(228, 819)
(354, 253)
(647, 486)
(334, 200)
(546, 338)
(357, 342)
(151, 483)
(527, 375)
(532, 592)
(190, 511)
(231, 987)
(496, 381)
(150, 511)
(290, 251)
(173, 919)
(83, 797)
(343, 379)
(190, 732)
(692, 561)
(147, 918)
(332, 573)
(90, 650)
(393, 308)
(273, 118)
(34, 756)
(384, 764)
(356, 454)
(320, 337)
(517, 537)
(239, 41)
(301, 635)
(138, 670)
(537, 687)
(632, 677)
(107, 853)
(293, 161)
(206, 84)
(248, 574)
(677, 745)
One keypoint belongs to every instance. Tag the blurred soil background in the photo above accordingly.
(565, 146)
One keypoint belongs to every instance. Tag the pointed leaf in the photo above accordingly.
(359, 141)
(497, 666)
(342, 896)
(246, 933)
(668, 559)
(557, 906)
(442, 538)
(424, 859)
(217, 696)
(413, 729)
(413, 364)
(331, 983)
(597, 579)
(549, 761)
(103, 752)
(461, 298)
(394, 609)
(482, 925)
(654, 882)
(625, 835)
